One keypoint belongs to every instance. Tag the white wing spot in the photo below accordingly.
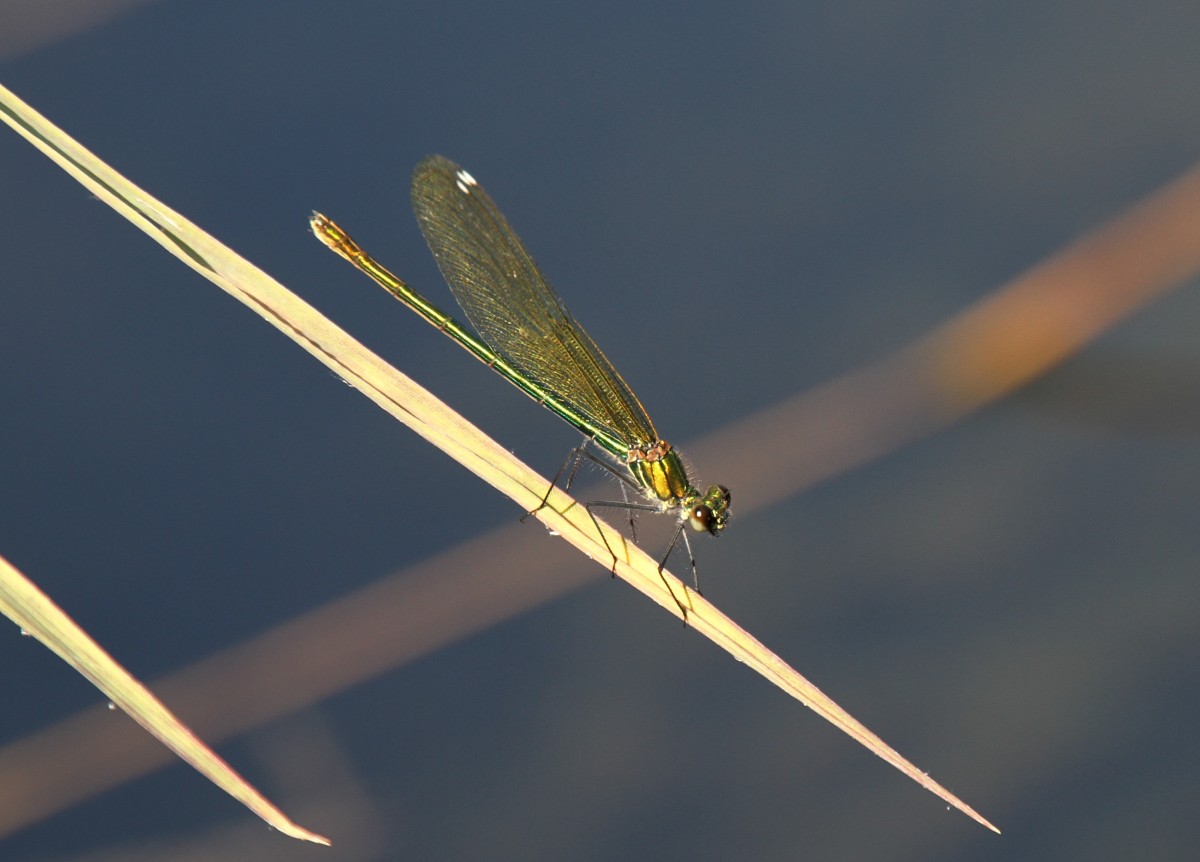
(464, 181)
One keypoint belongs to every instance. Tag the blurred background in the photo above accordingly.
(790, 190)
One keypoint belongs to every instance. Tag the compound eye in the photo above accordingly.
(700, 518)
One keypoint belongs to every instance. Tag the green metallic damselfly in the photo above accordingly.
(530, 339)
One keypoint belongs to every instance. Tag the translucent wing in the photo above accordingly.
(510, 304)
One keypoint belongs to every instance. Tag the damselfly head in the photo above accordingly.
(710, 513)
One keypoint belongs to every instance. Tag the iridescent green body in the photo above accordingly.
(529, 338)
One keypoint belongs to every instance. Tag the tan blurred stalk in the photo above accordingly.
(1005, 340)
(33, 24)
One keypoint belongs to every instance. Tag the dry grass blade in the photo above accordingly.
(420, 411)
(23, 603)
